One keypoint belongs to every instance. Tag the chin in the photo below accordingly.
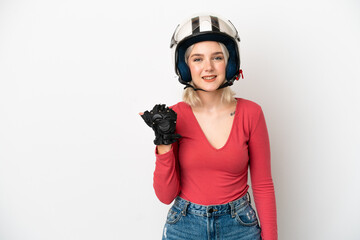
(210, 89)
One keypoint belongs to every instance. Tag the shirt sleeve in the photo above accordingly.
(166, 175)
(261, 180)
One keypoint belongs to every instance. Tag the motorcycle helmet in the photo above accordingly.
(206, 28)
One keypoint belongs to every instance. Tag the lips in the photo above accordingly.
(209, 78)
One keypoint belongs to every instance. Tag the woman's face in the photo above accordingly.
(207, 65)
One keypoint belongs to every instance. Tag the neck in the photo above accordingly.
(211, 101)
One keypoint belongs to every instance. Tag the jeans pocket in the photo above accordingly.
(173, 215)
(246, 216)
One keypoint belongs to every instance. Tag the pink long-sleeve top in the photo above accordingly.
(196, 171)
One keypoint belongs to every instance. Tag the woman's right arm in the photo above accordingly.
(166, 175)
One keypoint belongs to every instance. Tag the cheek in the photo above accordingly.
(194, 69)
(221, 67)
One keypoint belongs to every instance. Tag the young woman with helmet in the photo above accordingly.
(207, 142)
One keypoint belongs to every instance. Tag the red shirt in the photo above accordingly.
(202, 174)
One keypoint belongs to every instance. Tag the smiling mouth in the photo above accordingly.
(209, 78)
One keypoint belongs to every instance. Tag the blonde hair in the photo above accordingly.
(191, 97)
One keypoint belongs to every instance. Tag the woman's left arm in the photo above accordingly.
(261, 180)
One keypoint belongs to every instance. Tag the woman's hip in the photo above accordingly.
(234, 220)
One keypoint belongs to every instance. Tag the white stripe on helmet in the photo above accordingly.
(205, 24)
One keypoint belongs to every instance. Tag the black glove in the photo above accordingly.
(163, 121)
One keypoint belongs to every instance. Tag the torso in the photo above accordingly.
(213, 153)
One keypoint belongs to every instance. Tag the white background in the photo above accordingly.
(76, 161)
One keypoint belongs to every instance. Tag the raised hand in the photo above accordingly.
(163, 121)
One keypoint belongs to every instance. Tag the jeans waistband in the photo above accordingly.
(210, 210)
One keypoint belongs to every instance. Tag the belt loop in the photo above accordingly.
(248, 194)
(185, 208)
(232, 209)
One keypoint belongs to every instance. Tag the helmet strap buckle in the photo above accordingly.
(240, 74)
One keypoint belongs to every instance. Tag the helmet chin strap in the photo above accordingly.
(226, 84)
(191, 86)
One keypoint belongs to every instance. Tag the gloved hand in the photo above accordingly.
(163, 121)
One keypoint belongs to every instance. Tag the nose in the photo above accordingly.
(208, 65)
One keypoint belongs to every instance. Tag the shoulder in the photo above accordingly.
(180, 107)
(248, 106)
(250, 113)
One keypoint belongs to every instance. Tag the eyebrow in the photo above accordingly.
(199, 55)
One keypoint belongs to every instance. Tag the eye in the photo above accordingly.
(219, 58)
(197, 59)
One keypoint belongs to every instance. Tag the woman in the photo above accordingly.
(206, 143)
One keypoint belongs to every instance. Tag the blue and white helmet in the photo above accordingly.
(206, 28)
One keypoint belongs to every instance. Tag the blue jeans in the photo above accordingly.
(232, 221)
